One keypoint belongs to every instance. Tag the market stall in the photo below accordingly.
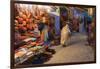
(32, 33)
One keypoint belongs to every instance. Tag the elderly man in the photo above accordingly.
(65, 34)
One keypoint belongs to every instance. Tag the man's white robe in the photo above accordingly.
(65, 35)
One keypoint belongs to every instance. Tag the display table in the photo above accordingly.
(24, 54)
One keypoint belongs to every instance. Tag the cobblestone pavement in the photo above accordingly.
(76, 51)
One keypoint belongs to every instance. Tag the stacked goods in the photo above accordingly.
(31, 33)
(31, 48)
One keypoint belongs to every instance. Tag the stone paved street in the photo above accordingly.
(76, 51)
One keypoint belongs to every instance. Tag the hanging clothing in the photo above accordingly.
(57, 22)
(81, 24)
(36, 32)
(44, 35)
(57, 25)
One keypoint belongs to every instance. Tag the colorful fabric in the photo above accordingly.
(45, 33)
(28, 39)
